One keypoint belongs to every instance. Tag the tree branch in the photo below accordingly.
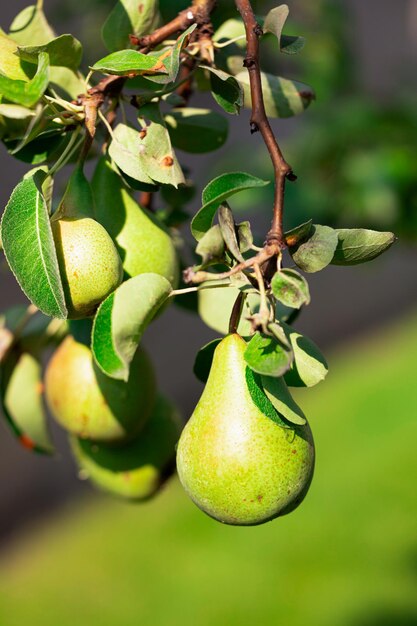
(259, 121)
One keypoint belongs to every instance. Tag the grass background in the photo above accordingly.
(347, 556)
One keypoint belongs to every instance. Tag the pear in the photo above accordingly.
(235, 463)
(89, 264)
(144, 244)
(135, 471)
(91, 405)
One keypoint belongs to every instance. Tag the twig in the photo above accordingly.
(262, 257)
(259, 120)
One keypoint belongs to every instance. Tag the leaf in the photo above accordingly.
(218, 190)
(277, 392)
(27, 93)
(260, 399)
(128, 18)
(290, 288)
(317, 251)
(204, 359)
(230, 29)
(15, 111)
(78, 200)
(129, 62)
(298, 234)
(228, 230)
(215, 307)
(283, 97)
(278, 332)
(266, 356)
(309, 366)
(211, 246)
(172, 58)
(63, 51)
(10, 64)
(226, 90)
(274, 23)
(244, 236)
(121, 320)
(125, 151)
(21, 397)
(30, 27)
(196, 130)
(358, 245)
(29, 246)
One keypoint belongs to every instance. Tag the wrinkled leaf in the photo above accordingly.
(317, 251)
(309, 367)
(128, 18)
(121, 320)
(29, 246)
(283, 97)
(211, 246)
(358, 245)
(172, 58)
(290, 288)
(229, 232)
(277, 392)
(298, 234)
(218, 190)
(204, 359)
(196, 130)
(266, 356)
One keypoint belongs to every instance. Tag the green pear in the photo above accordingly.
(143, 242)
(137, 470)
(235, 463)
(89, 264)
(91, 405)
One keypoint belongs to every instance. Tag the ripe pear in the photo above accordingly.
(144, 244)
(137, 470)
(89, 264)
(235, 463)
(91, 405)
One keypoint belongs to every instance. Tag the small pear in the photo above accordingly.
(91, 405)
(89, 264)
(235, 463)
(137, 470)
(143, 242)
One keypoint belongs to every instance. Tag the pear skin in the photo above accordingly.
(235, 463)
(89, 264)
(91, 405)
(137, 470)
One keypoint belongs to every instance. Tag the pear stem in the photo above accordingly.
(236, 313)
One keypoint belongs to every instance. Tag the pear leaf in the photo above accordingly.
(126, 19)
(125, 151)
(29, 246)
(215, 307)
(211, 246)
(228, 230)
(171, 58)
(260, 399)
(231, 29)
(196, 130)
(226, 90)
(283, 97)
(274, 23)
(122, 319)
(297, 235)
(216, 192)
(78, 200)
(129, 63)
(358, 245)
(21, 399)
(30, 27)
(317, 251)
(63, 51)
(290, 288)
(204, 359)
(27, 93)
(277, 392)
(309, 366)
(266, 356)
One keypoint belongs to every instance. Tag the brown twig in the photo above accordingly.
(259, 120)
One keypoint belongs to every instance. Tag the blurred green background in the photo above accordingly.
(348, 556)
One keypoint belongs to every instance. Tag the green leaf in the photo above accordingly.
(15, 111)
(266, 356)
(27, 93)
(129, 62)
(230, 29)
(77, 201)
(226, 90)
(63, 51)
(317, 251)
(21, 397)
(283, 97)
(66, 82)
(277, 392)
(309, 366)
(274, 23)
(298, 234)
(173, 60)
(204, 359)
(121, 320)
(125, 151)
(29, 246)
(10, 63)
(128, 18)
(260, 399)
(215, 306)
(196, 130)
(218, 190)
(290, 288)
(358, 245)
(228, 230)
(211, 246)
(30, 27)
